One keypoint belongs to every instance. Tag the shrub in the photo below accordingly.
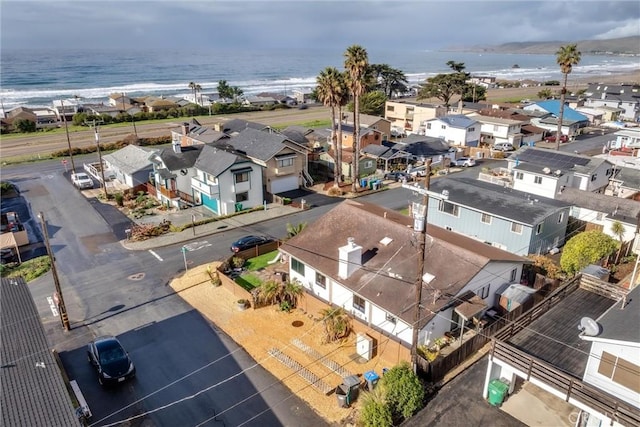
(237, 262)
(335, 192)
(375, 411)
(403, 390)
(119, 199)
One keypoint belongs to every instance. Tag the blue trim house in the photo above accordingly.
(512, 220)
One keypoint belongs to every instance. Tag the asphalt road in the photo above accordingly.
(188, 372)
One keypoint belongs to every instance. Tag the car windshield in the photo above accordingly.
(110, 353)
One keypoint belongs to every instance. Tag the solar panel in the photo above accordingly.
(552, 159)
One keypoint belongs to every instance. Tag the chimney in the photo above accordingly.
(218, 127)
(350, 258)
(175, 144)
(185, 128)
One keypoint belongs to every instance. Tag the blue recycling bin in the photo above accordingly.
(363, 183)
(371, 379)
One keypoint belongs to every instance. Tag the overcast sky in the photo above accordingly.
(380, 24)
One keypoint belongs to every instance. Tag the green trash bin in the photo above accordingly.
(238, 207)
(497, 392)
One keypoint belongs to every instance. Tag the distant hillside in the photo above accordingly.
(620, 46)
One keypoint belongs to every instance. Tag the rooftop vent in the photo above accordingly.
(546, 170)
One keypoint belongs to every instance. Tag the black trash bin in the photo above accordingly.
(343, 394)
(352, 382)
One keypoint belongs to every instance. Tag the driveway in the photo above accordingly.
(460, 403)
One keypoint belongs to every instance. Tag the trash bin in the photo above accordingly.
(352, 382)
(238, 207)
(372, 379)
(343, 394)
(363, 183)
(497, 392)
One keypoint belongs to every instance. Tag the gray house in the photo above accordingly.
(172, 172)
(512, 220)
(130, 164)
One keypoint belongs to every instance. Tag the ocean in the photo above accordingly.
(34, 78)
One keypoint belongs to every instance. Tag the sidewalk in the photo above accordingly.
(273, 210)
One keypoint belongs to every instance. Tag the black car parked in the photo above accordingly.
(397, 176)
(248, 242)
(111, 360)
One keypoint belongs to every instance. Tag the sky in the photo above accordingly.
(380, 24)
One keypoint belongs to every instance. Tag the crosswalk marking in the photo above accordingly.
(155, 255)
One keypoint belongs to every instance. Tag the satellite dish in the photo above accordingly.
(546, 170)
(589, 327)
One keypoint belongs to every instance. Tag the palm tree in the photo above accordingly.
(192, 86)
(198, 88)
(618, 230)
(566, 57)
(291, 293)
(344, 100)
(329, 93)
(337, 324)
(356, 63)
(294, 230)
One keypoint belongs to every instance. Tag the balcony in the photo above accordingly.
(170, 194)
(203, 187)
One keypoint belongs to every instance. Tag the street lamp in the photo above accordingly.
(66, 129)
(56, 281)
(104, 183)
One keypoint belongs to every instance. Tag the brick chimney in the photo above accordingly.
(350, 258)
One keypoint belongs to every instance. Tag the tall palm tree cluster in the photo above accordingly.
(336, 89)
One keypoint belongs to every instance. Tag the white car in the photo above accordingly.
(464, 162)
(81, 180)
(503, 146)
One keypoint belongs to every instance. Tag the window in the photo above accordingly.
(283, 163)
(358, 303)
(376, 137)
(321, 280)
(428, 125)
(297, 266)
(620, 371)
(443, 126)
(483, 292)
(471, 130)
(209, 178)
(242, 197)
(368, 164)
(449, 208)
(537, 180)
(241, 177)
(560, 217)
(519, 175)
(391, 108)
(516, 228)
(599, 216)
(539, 228)
(513, 275)
(594, 177)
(391, 319)
(496, 128)
(486, 218)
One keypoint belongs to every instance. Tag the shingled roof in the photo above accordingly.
(215, 161)
(389, 267)
(33, 392)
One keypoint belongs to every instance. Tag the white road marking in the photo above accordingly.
(155, 255)
(52, 306)
(196, 245)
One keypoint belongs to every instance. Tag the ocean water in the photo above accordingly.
(35, 78)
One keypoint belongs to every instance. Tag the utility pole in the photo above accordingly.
(104, 183)
(420, 226)
(66, 129)
(59, 299)
(133, 122)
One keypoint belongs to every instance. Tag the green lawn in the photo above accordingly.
(248, 281)
(261, 261)
(29, 270)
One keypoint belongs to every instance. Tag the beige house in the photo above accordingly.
(408, 115)
(284, 161)
(368, 121)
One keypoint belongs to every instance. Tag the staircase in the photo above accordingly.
(329, 363)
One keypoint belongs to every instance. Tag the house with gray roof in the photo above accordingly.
(455, 129)
(625, 97)
(581, 347)
(234, 126)
(226, 182)
(546, 172)
(32, 387)
(506, 218)
(193, 133)
(625, 183)
(421, 148)
(387, 156)
(173, 169)
(364, 258)
(131, 164)
(601, 211)
(284, 162)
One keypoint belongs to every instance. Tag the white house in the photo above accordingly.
(172, 172)
(456, 129)
(496, 129)
(226, 182)
(547, 172)
(130, 164)
(363, 257)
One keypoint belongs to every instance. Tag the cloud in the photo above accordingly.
(390, 24)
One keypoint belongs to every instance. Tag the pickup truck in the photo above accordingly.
(81, 180)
